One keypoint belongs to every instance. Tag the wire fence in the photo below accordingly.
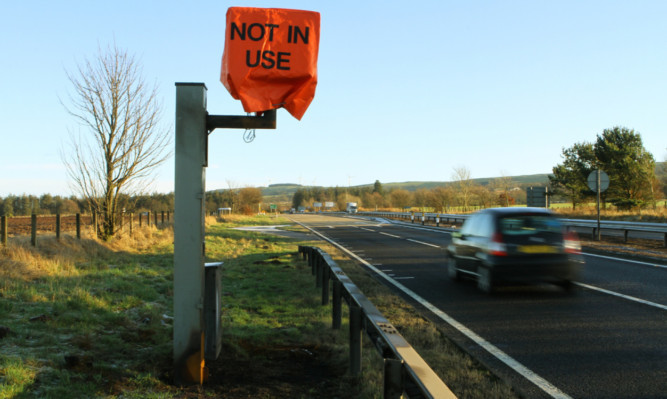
(47, 225)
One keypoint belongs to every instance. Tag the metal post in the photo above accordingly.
(190, 162)
(393, 379)
(318, 271)
(78, 226)
(337, 310)
(58, 226)
(325, 283)
(355, 339)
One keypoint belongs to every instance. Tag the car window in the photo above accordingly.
(528, 224)
(485, 226)
(469, 225)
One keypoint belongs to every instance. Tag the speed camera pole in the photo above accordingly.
(190, 163)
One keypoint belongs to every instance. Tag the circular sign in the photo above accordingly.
(593, 181)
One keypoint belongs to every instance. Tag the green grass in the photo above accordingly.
(87, 320)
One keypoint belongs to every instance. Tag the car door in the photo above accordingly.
(465, 244)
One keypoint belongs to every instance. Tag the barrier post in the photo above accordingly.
(325, 283)
(393, 379)
(58, 226)
(355, 339)
(318, 271)
(337, 310)
(78, 226)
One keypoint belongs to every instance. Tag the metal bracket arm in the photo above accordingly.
(266, 121)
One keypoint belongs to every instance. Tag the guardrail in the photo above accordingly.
(405, 372)
(658, 230)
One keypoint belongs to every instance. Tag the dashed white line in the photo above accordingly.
(423, 243)
(390, 235)
(628, 260)
(629, 298)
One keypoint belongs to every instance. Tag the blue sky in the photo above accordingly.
(407, 90)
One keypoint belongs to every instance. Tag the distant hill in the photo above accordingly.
(283, 192)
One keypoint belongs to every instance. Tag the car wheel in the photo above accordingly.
(452, 270)
(484, 279)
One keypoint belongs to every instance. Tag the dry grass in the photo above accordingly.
(651, 215)
(52, 257)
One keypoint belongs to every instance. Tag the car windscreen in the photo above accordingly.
(528, 224)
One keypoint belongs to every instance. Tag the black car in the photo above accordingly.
(514, 245)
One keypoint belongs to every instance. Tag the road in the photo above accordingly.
(608, 339)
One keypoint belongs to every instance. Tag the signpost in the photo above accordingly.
(287, 57)
(598, 181)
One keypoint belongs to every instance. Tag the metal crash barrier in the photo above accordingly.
(405, 372)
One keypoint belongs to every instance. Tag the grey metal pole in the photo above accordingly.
(189, 189)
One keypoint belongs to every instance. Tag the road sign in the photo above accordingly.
(537, 197)
(593, 181)
(273, 207)
(270, 58)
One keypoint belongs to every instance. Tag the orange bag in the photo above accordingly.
(270, 58)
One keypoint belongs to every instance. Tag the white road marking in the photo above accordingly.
(403, 278)
(627, 260)
(363, 228)
(423, 243)
(629, 298)
(390, 235)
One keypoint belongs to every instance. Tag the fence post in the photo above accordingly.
(131, 222)
(58, 226)
(155, 215)
(3, 226)
(318, 270)
(78, 226)
(325, 282)
(355, 339)
(336, 306)
(33, 233)
(393, 379)
(162, 220)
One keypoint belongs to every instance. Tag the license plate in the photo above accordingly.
(537, 249)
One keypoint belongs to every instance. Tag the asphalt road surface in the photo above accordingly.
(607, 339)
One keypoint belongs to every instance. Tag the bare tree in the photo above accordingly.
(122, 142)
(503, 184)
(464, 185)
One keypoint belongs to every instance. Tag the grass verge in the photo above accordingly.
(85, 319)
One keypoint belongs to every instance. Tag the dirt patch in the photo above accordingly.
(275, 372)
